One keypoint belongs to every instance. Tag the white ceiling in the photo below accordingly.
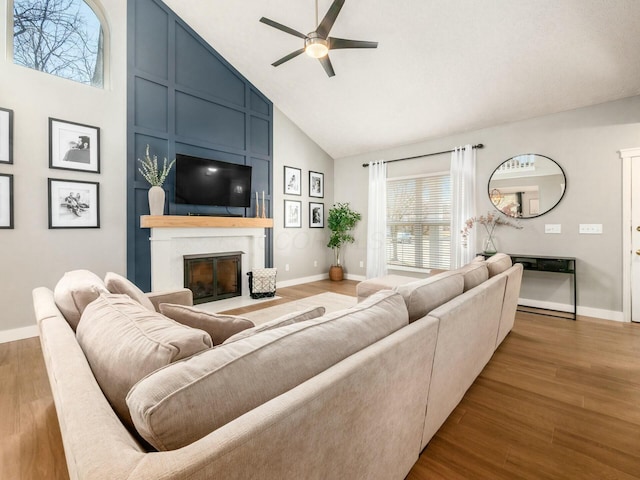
(441, 67)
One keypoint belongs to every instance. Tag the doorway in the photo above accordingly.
(631, 234)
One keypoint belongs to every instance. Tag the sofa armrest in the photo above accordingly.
(182, 296)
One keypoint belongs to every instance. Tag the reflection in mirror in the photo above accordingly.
(527, 186)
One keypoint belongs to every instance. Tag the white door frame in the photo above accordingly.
(628, 155)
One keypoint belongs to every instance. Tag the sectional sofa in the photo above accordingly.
(353, 394)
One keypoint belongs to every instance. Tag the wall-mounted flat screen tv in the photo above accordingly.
(200, 181)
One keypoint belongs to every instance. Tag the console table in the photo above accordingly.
(541, 263)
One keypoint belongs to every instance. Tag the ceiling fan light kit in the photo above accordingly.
(318, 43)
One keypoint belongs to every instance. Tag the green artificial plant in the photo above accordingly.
(150, 171)
(341, 220)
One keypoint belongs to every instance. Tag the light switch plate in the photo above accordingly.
(552, 228)
(591, 228)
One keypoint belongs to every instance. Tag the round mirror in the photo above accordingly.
(527, 186)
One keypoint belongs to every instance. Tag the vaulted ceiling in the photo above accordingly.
(441, 67)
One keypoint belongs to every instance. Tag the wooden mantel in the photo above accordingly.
(188, 221)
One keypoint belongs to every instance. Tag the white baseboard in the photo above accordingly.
(359, 278)
(18, 334)
(298, 281)
(584, 311)
(315, 278)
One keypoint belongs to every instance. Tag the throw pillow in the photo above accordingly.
(118, 284)
(498, 263)
(219, 326)
(124, 342)
(425, 295)
(288, 319)
(76, 290)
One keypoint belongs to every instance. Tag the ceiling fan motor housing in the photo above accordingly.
(315, 46)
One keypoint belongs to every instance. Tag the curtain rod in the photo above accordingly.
(479, 145)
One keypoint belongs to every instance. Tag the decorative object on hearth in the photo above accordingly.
(341, 221)
(156, 177)
(489, 221)
(318, 43)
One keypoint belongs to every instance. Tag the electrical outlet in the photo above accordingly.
(286, 267)
(315, 263)
(591, 228)
(553, 228)
(361, 264)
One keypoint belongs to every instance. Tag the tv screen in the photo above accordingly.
(200, 181)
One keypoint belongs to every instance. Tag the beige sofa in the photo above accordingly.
(353, 394)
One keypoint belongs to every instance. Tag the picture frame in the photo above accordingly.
(6, 200)
(73, 204)
(292, 181)
(292, 214)
(74, 146)
(316, 184)
(316, 215)
(6, 135)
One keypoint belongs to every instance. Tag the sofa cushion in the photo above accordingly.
(123, 342)
(219, 326)
(185, 401)
(425, 295)
(498, 263)
(118, 284)
(370, 286)
(288, 319)
(474, 274)
(74, 291)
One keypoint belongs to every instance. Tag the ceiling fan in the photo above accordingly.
(318, 43)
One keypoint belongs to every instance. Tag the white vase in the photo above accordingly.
(156, 200)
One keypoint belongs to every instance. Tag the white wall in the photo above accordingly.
(585, 142)
(299, 247)
(31, 255)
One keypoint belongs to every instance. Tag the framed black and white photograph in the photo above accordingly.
(292, 214)
(6, 135)
(316, 215)
(316, 184)
(6, 201)
(292, 181)
(73, 146)
(74, 204)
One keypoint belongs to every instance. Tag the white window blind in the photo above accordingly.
(418, 221)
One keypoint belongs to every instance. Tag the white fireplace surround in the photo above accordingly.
(169, 245)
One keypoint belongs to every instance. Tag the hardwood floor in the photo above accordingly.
(558, 400)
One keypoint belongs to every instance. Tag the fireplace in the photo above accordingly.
(213, 276)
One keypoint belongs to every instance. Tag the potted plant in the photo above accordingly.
(341, 220)
(156, 177)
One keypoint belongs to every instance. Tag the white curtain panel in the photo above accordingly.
(463, 204)
(377, 220)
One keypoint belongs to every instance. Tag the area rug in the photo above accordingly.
(332, 302)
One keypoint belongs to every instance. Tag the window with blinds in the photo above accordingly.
(418, 222)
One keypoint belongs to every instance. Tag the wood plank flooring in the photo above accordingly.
(558, 400)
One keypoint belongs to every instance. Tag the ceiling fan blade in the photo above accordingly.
(284, 28)
(335, 43)
(330, 17)
(288, 57)
(326, 64)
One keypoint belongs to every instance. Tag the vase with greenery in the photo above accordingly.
(489, 221)
(155, 176)
(341, 220)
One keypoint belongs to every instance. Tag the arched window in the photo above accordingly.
(60, 37)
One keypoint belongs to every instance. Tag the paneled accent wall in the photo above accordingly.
(183, 97)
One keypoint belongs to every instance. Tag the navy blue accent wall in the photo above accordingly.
(183, 97)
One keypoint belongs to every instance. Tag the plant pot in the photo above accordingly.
(336, 273)
(156, 200)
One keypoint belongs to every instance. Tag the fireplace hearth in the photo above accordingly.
(213, 276)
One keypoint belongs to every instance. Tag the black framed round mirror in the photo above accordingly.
(527, 186)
